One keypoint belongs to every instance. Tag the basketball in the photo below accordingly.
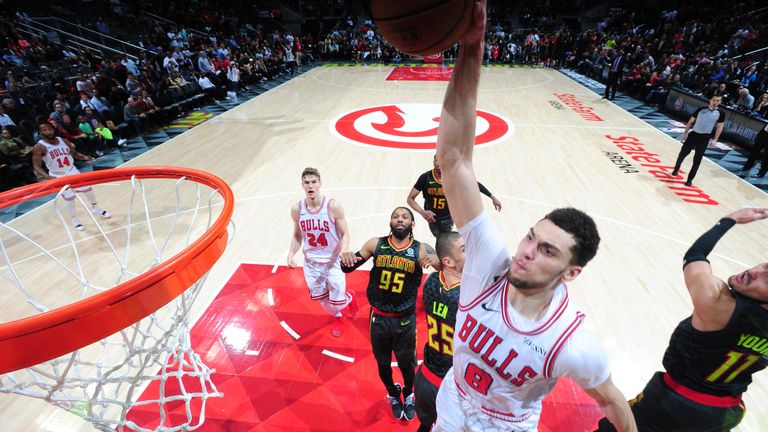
(422, 27)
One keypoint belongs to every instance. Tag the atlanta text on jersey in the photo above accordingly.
(393, 261)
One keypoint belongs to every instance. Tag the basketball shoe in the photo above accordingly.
(396, 403)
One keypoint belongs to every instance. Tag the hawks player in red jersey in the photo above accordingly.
(319, 227)
(516, 331)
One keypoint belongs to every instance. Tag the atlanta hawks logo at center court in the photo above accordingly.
(411, 126)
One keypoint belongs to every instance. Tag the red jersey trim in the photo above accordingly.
(702, 398)
(430, 376)
(389, 240)
(509, 417)
(484, 294)
(389, 314)
(306, 207)
(318, 297)
(549, 360)
(436, 178)
(540, 329)
(330, 215)
(445, 285)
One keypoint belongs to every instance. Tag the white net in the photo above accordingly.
(48, 264)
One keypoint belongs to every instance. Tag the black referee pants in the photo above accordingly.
(760, 144)
(396, 335)
(698, 143)
(612, 84)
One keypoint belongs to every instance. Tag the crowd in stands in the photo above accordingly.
(696, 47)
(98, 101)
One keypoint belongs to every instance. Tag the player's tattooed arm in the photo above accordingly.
(358, 258)
(428, 257)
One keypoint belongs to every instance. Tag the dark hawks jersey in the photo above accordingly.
(440, 304)
(434, 198)
(721, 362)
(395, 277)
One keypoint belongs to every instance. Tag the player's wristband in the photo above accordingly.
(704, 244)
(350, 269)
(484, 190)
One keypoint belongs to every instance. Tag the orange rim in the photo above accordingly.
(51, 334)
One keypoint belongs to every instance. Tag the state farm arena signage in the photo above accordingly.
(411, 126)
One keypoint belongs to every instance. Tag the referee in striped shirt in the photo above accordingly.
(701, 124)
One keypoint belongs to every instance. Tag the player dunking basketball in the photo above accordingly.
(59, 155)
(441, 303)
(516, 330)
(319, 227)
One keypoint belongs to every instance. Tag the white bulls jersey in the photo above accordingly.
(318, 231)
(503, 363)
(58, 158)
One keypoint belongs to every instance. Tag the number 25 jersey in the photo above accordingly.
(441, 303)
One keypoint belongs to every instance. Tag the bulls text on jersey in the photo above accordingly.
(479, 337)
(315, 225)
(58, 151)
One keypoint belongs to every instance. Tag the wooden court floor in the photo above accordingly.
(550, 143)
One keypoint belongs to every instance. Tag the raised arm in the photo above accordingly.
(456, 134)
(712, 303)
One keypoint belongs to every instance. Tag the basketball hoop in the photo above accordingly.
(93, 353)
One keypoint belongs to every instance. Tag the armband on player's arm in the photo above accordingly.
(704, 245)
(362, 261)
(484, 190)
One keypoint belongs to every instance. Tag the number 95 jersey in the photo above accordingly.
(395, 277)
